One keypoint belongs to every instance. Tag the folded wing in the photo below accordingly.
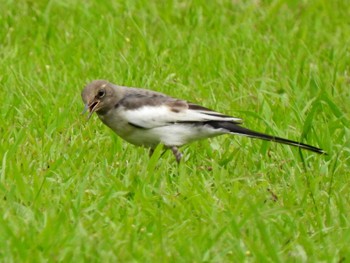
(155, 111)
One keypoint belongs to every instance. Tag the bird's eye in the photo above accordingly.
(101, 93)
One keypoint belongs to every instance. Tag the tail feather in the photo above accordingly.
(236, 129)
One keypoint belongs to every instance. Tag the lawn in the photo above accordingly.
(72, 191)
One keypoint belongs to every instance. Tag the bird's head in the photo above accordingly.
(98, 96)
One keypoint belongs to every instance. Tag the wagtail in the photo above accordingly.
(148, 118)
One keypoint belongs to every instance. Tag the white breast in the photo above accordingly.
(176, 134)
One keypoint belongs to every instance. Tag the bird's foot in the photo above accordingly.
(177, 153)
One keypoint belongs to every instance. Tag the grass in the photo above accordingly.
(72, 191)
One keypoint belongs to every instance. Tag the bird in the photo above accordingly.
(148, 118)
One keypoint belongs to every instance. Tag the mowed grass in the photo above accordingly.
(72, 191)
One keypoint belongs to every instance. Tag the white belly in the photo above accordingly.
(171, 135)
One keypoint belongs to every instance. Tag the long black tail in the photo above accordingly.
(236, 129)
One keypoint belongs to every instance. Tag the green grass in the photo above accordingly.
(72, 191)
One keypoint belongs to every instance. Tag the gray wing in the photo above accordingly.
(154, 110)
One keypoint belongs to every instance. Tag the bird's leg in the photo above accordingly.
(151, 151)
(177, 153)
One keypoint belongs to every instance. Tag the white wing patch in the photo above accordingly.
(156, 116)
